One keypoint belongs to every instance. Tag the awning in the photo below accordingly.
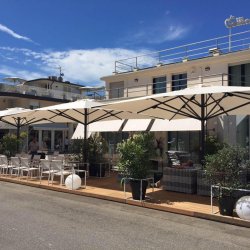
(137, 125)
(176, 125)
(134, 125)
(54, 126)
(79, 132)
(104, 126)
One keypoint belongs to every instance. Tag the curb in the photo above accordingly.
(212, 217)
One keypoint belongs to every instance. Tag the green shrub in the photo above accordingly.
(135, 154)
(10, 144)
(225, 166)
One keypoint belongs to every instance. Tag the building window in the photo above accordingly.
(239, 75)
(179, 81)
(116, 90)
(159, 85)
(185, 141)
(242, 131)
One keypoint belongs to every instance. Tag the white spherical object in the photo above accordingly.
(243, 207)
(73, 182)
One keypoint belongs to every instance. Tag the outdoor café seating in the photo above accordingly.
(46, 170)
(58, 167)
(4, 166)
(27, 167)
(15, 164)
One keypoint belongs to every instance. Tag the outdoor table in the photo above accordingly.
(146, 179)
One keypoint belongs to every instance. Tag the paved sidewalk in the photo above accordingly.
(109, 188)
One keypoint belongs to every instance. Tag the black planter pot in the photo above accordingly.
(226, 205)
(95, 170)
(136, 189)
(92, 170)
(82, 166)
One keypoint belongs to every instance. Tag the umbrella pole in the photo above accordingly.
(18, 134)
(203, 130)
(85, 153)
(203, 142)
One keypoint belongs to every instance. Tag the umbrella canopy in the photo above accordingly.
(82, 111)
(14, 79)
(85, 112)
(17, 121)
(14, 117)
(200, 102)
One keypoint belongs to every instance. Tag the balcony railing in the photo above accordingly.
(151, 88)
(215, 46)
(51, 93)
(127, 92)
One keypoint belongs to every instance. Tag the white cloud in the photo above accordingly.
(17, 72)
(156, 35)
(5, 29)
(88, 65)
(160, 31)
(79, 66)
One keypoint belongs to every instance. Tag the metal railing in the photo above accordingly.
(144, 89)
(151, 88)
(51, 93)
(220, 45)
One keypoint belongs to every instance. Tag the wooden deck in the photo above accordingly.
(109, 188)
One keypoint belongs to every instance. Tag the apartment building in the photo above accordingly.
(220, 61)
(37, 93)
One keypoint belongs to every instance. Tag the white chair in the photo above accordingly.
(35, 161)
(46, 169)
(59, 157)
(58, 166)
(16, 167)
(27, 167)
(4, 165)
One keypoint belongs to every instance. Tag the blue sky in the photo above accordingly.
(85, 37)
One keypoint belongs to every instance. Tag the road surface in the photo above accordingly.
(33, 218)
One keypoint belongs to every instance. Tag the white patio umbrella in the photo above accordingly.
(200, 102)
(17, 121)
(84, 111)
(14, 79)
(14, 117)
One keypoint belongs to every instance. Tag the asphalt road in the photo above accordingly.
(37, 219)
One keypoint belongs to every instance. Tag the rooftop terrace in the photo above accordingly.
(219, 45)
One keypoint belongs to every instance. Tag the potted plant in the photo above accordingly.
(10, 144)
(97, 146)
(134, 161)
(226, 169)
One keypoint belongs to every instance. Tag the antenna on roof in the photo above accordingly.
(60, 74)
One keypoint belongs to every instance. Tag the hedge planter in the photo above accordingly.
(138, 189)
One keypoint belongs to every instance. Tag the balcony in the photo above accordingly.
(49, 93)
(211, 47)
(150, 88)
